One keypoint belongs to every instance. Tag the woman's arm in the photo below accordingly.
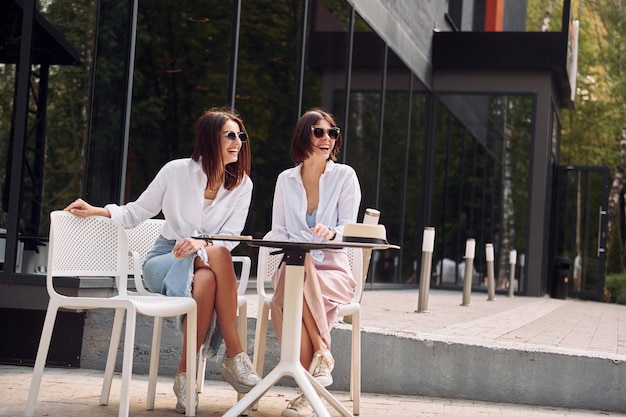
(81, 208)
(148, 204)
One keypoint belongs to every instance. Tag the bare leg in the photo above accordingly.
(215, 289)
(204, 286)
(226, 297)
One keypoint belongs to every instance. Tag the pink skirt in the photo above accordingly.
(326, 285)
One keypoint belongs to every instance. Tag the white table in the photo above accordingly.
(289, 363)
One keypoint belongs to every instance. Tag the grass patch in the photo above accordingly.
(615, 287)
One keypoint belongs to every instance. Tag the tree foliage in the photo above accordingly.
(594, 126)
(614, 255)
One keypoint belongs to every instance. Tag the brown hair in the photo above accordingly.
(208, 149)
(301, 145)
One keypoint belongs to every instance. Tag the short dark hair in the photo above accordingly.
(301, 145)
(208, 130)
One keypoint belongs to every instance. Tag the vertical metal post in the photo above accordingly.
(470, 251)
(130, 74)
(491, 296)
(512, 261)
(234, 54)
(428, 244)
(520, 279)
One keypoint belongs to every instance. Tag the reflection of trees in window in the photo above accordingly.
(7, 86)
(267, 94)
(413, 223)
(514, 129)
(65, 123)
(364, 109)
(392, 183)
(181, 69)
(447, 185)
(481, 188)
(363, 156)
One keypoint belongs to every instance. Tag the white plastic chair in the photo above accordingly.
(98, 247)
(140, 241)
(267, 264)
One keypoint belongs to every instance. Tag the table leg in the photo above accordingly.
(289, 364)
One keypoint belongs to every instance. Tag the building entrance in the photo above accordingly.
(579, 241)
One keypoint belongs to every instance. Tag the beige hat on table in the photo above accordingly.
(366, 233)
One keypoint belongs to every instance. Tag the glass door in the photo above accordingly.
(580, 239)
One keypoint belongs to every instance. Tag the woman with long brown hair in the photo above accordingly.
(208, 193)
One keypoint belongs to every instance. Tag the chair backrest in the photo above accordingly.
(269, 263)
(355, 258)
(141, 238)
(92, 246)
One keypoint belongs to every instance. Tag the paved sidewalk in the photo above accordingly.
(76, 392)
(593, 327)
(525, 323)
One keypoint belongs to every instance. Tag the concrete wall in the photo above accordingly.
(410, 364)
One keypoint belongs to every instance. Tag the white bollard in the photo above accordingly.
(520, 278)
(470, 251)
(512, 261)
(428, 245)
(491, 291)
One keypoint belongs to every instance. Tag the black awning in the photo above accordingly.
(49, 45)
(505, 51)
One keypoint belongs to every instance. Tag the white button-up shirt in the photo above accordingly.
(339, 201)
(178, 191)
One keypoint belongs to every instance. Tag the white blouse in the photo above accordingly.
(339, 201)
(178, 191)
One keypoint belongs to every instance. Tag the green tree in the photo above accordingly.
(614, 255)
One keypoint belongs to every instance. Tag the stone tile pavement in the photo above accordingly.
(76, 392)
(570, 325)
(594, 327)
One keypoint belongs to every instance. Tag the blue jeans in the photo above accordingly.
(164, 274)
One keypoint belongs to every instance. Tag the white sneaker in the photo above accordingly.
(239, 373)
(298, 407)
(180, 389)
(321, 367)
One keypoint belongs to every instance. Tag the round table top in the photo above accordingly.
(250, 241)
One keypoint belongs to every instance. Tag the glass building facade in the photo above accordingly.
(458, 161)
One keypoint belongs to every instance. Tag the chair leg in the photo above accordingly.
(355, 374)
(42, 355)
(242, 326)
(260, 340)
(192, 351)
(127, 364)
(114, 345)
(201, 371)
(154, 361)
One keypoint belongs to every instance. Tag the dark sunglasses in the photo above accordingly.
(319, 132)
(232, 136)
